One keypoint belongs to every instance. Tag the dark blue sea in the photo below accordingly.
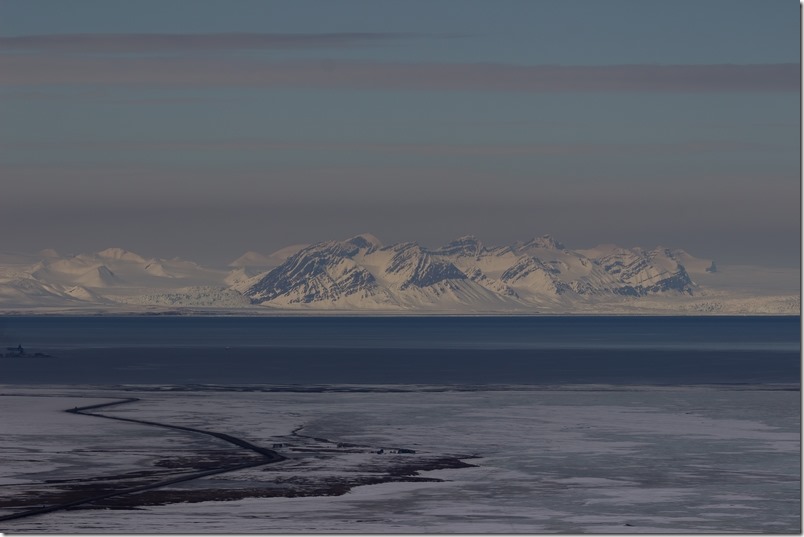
(401, 350)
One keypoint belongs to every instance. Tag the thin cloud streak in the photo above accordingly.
(424, 149)
(202, 43)
(193, 72)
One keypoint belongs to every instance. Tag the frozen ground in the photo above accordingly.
(590, 459)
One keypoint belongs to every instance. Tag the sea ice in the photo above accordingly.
(640, 460)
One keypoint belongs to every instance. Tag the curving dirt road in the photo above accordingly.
(269, 456)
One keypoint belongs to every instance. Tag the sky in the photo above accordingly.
(206, 128)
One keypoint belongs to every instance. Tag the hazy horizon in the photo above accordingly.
(220, 259)
(261, 124)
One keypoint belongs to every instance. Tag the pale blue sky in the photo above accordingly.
(205, 128)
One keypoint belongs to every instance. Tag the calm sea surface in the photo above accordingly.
(391, 350)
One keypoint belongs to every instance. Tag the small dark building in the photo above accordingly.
(15, 351)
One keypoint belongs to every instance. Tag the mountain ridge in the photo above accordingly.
(361, 274)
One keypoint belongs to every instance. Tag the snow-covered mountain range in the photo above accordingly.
(361, 274)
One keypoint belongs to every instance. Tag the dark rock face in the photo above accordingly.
(329, 271)
(584, 288)
(477, 276)
(319, 272)
(467, 246)
(421, 268)
(641, 276)
(526, 266)
(362, 243)
(545, 241)
(679, 281)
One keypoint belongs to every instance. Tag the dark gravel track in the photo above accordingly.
(268, 456)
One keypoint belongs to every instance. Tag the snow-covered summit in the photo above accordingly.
(413, 265)
(366, 241)
(121, 255)
(539, 272)
(252, 259)
(544, 242)
(467, 246)
(49, 253)
(317, 273)
(362, 274)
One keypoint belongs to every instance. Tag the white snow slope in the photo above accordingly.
(361, 275)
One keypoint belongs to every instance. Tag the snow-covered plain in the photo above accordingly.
(553, 459)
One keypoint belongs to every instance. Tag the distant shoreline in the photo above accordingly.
(289, 313)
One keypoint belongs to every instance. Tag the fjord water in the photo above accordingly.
(403, 350)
